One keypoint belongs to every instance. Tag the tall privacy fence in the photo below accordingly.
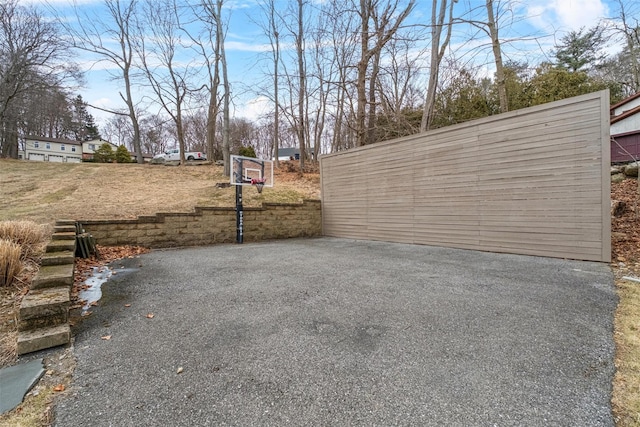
(534, 181)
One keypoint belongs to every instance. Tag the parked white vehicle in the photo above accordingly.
(174, 155)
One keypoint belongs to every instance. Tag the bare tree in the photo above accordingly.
(497, 55)
(33, 57)
(208, 46)
(397, 87)
(382, 17)
(168, 77)
(342, 54)
(275, 46)
(109, 36)
(226, 152)
(272, 30)
(438, 25)
(632, 38)
(301, 122)
(490, 27)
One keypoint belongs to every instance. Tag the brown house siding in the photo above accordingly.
(626, 147)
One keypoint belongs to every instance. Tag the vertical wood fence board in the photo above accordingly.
(533, 181)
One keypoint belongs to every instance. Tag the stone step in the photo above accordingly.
(30, 341)
(61, 245)
(64, 229)
(64, 236)
(51, 276)
(40, 305)
(66, 222)
(58, 258)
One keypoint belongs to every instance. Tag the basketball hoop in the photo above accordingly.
(259, 183)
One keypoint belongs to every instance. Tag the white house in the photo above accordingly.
(625, 129)
(52, 150)
(89, 147)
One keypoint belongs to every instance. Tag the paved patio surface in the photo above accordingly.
(341, 332)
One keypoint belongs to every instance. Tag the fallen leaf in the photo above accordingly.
(179, 371)
(150, 315)
(127, 305)
(59, 387)
(94, 304)
(106, 337)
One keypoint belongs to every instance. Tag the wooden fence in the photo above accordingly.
(534, 181)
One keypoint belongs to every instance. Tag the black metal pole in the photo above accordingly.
(239, 214)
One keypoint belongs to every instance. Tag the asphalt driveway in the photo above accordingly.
(340, 332)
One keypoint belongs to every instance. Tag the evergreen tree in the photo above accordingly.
(247, 151)
(122, 155)
(580, 50)
(83, 125)
(553, 84)
(104, 154)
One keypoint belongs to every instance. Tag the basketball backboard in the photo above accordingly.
(249, 170)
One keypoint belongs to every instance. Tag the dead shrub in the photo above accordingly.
(10, 264)
(31, 237)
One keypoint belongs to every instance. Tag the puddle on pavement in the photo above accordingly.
(93, 292)
(99, 276)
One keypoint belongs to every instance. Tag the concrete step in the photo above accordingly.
(44, 307)
(51, 276)
(61, 245)
(30, 341)
(64, 236)
(64, 229)
(66, 222)
(58, 258)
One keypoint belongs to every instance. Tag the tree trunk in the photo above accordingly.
(132, 116)
(302, 93)
(226, 154)
(383, 31)
(362, 74)
(633, 48)
(497, 54)
(212, 110)
(437, 53)
(276, 106)
(371, 120)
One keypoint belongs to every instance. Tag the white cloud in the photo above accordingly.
(566, 15)
(246, 47)
(254, 108)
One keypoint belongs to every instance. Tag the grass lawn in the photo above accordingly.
(44, 192)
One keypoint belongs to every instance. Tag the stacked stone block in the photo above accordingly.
(210, 225)
(44, 311)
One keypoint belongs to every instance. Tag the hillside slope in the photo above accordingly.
(44, 192)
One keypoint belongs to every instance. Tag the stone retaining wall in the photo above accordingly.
(209, 225)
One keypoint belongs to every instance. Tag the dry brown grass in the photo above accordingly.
(44, 192)
(10, 263)
(34, 411)
(31, 237)
(21, 245)
(626, 384)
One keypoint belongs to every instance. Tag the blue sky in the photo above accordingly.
(540, 22)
